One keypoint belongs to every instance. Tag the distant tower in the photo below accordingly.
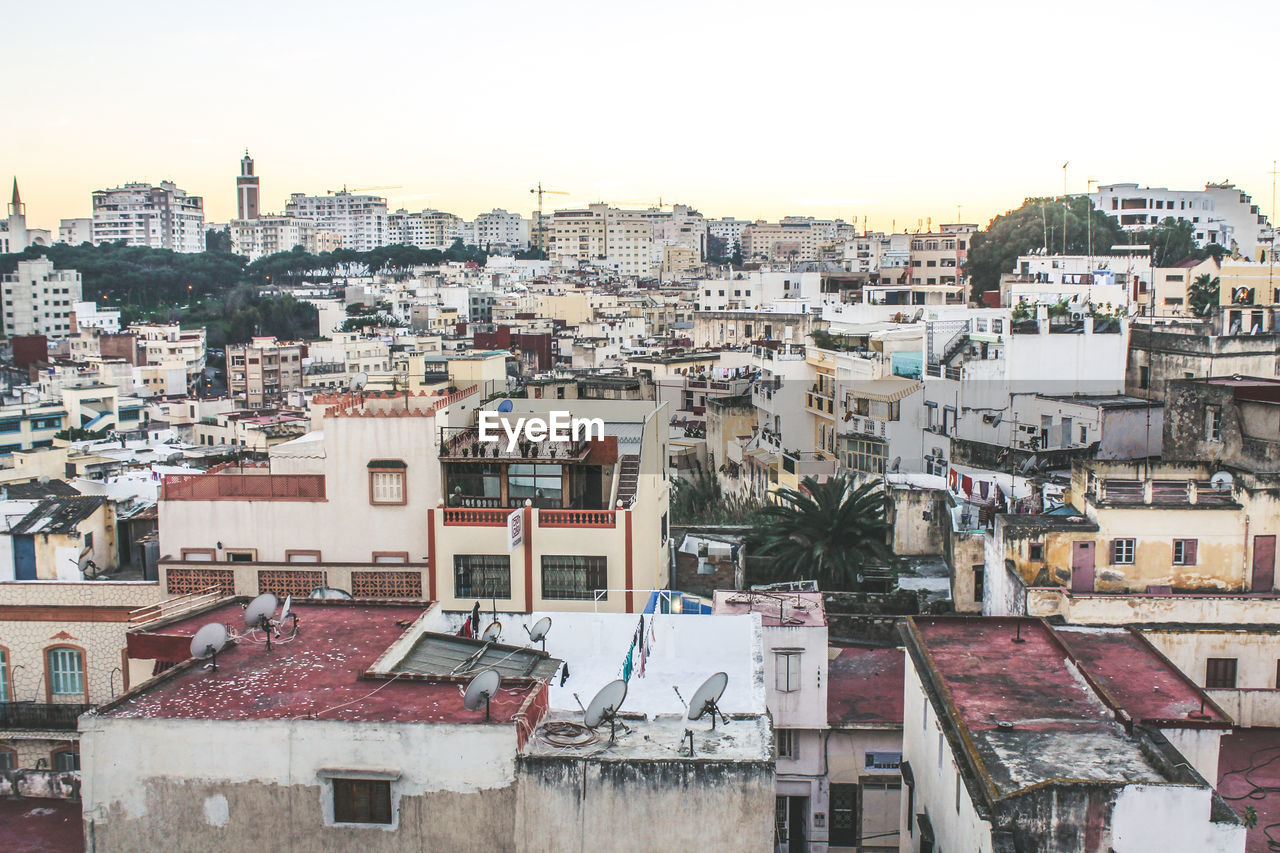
(13, 231)
(246, 189)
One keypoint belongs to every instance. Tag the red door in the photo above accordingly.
(1264, 564)
(1082, 566)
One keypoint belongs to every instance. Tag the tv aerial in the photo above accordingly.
(604, 707)
(492, 633)
(207, 642)
(258, 614)
(707, 698)
(480, 690)
(538, 633)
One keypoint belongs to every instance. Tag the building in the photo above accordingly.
(427, 229)
(246, 190)
(89, 316)
(499, 231)
(359, 221)
(39, 300)
(604, 236)
(158, 217)
(266, 235)
(15, 235)
(1017, 737)
(1165, 351)
(261, 372)
(1224, 421)
(1220, 213)
(76, 231)
(355, 723)
(937, 258)
(729, 232)
(758, 290)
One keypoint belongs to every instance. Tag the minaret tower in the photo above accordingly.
(246, 190)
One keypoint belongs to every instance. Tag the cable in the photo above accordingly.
(316, 715)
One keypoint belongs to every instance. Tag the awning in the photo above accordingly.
(889, 390)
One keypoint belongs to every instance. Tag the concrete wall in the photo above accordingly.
(1256, 653)
(1084, 609)
(1172, 819)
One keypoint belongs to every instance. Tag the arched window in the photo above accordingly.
(64, 673)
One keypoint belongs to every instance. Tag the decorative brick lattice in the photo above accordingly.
(184, 581)
(284, 582)
(386, 584)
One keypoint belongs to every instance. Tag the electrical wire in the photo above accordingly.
(317, 714)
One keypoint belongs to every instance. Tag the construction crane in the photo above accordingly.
(363, 189)
(539, 228)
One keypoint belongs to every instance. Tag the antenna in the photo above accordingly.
(259, 612)
(492, 633)
(480, 689)
(604, 707)
(707, 697)
(207, 642)
(538, 633)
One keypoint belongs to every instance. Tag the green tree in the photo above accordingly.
(1037, 224)
(829, 531)
(698, 499)
(1172, 241)
(717, 250)
(1203, 295)
(217, 241)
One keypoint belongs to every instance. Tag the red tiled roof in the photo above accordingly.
(865, 686)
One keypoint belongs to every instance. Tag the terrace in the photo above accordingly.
(243, 484)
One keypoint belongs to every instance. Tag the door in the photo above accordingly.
(1082, 566)
(791, 822)
(1264, 564)
(844, 816)
(24, 558)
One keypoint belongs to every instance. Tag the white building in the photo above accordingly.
(359, 220)
(729, 230)
(267, 235)
(1078, 280)
(38, 299)
(604, 236)
(158, 217)
(89, 316)
(1221, 213)
(499, 230)
(15, 236)
(76, 231)
(426, 229)
(758, 289)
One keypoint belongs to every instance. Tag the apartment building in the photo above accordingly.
(266, 235)
(261, 372)
(793, 239)
(1110, 283)
(39, 300)
(1220, 213)
(603, 236)
(359, 222)
(937, 257)
(500, 231)
(158, 217)
(168, 346)
(427, 229)
(757, 289)
(729, 232)
(76, 231)
(396, 495)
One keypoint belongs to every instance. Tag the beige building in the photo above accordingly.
(267, 235)
(619, 240)
(259, 373)
(39, 300)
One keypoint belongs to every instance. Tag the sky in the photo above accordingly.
(892, 112)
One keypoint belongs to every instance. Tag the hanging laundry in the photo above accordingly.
(966, 484)
(984, 487)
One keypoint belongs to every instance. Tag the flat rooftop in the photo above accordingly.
(656, 738)
(864, 687)
(1249, 775)
(317, 673)
(41, 826)
(1029, 715)
(777, 609)
(1140, 679)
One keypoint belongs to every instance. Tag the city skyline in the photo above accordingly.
(832, 112)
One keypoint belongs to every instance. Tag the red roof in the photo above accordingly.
(41, 826)
(1249, 775)
(865, 686)
(318, 673)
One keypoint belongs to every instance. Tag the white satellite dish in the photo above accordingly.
(259, 612)
(208, 641)
(329, 593)
(1222, 481)
(480, 690)
(538, 633)
(604, 707)
(492, 633)
(707, 698)
(359, 380)
(288, 605)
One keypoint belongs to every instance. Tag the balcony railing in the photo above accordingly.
(30, 715)
(224, 486)
(577, 518)
(475, 517)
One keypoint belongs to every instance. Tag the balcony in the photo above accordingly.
(465, 443)
(577, 518)
(40, 717)
(228, 486)
(475, 517)
(820, 403)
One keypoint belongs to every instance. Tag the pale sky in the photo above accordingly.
(894, 111)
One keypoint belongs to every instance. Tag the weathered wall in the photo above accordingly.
(968, 551)
(920, 522)
(1094, 609)
(1255, 652)
(612, 807)
(1171, 819)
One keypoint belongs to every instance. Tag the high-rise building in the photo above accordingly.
(1220, 213)
(76, 231)
(499, 230)
(246, 190)
(620, 240)
(267, 235)
(140, 214)
(359, 220)
(38, 300)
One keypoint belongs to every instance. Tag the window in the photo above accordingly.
(305, 556)
(541, 483)
(8, 759)
(386, 482)
(361, 801)
(1220, 673)
(867, 455)
(66, 672)
(979, 572)
(573, 577)
(1144, 377)
(1184, 552)
(240, 555)
(1213, 423)
(881, 760)
(786, 670)
(482, 575)
(1035, 551)
(66, 760)
(4, 675)
(786, 740)
(1122, 552)
(390, 557)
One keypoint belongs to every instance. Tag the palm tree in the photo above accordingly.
(1203, 296)
(830, 531)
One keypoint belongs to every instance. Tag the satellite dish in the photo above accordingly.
(359, 380)
(604, 707)
(329, 593)
(996, 418)
(208, 641)
(539, 630)
(260, 610)
(480, 690)
(1222, 481)
(707, 698)
(288, 605)
(492, 633)
(506, 406)
(897, 464)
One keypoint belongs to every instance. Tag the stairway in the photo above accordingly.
(628, 479)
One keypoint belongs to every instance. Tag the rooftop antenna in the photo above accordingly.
(481, 689)
(259, 612)
(207, 642)
(1017, 638)
(604, 707)
(286, 613)
(538, 633)
(492, 633)
(707, 699)
(358, 381)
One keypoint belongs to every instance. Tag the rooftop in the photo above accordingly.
(777, 609)
(319, 672)
(58, 514)
(743, 738)
(864, 687)
(1249, 775)
(41, 826)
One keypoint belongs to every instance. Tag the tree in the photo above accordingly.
(1203, 296)
(217, 241)
(1172, 241)
(717, 250)
(698, 499)
(1037, 224)
(736, 258)
(830, 531)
